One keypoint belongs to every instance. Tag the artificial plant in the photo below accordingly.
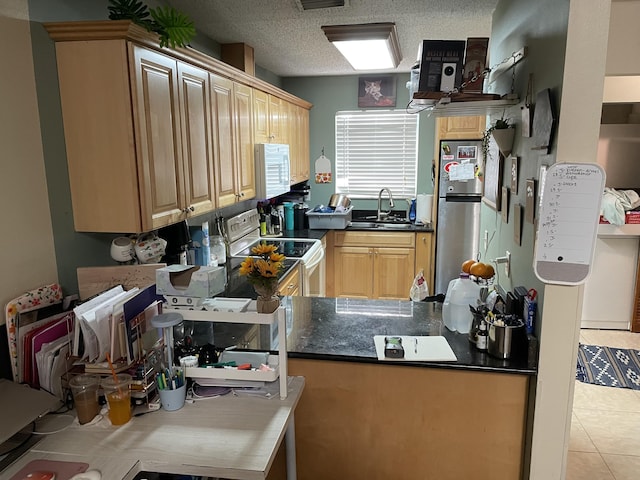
(174, 28)
(500, 124)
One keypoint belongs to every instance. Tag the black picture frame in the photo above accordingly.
(377, 91)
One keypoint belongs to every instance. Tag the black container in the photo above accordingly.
(300, 219)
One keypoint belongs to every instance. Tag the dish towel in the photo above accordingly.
(615, 203)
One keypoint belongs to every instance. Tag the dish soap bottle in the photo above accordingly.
(412, 211)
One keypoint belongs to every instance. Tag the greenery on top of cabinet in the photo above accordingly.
(174, 27)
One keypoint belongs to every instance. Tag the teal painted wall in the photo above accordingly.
(542, 27)
(332, 94)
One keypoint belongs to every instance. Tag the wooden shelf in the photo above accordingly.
(441, 104)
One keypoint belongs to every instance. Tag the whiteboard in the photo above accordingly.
(568, 222)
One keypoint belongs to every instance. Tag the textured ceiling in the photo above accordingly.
(289, 42)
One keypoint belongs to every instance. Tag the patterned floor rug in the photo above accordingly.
(608, 366)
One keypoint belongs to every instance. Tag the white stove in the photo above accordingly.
(243, 233)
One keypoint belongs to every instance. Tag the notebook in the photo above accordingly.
(20, 405)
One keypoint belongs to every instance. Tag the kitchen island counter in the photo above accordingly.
(343, 329)
(361, 418)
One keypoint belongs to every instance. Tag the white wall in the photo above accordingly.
(578, 128)
(624, 38)
(622, 84)
(27, 253)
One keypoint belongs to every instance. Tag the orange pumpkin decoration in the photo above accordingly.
(482, 270)
(466, 266)
(477, 269)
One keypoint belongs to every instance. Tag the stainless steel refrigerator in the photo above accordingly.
(459, 196)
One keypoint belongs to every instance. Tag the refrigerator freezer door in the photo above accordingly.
(457, 237)
(459, 166)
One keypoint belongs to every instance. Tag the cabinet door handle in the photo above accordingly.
(424, 239)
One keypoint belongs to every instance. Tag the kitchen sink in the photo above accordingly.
(381, 225)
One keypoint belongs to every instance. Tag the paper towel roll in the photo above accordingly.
(424, 206)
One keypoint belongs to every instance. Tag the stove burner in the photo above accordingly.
(289, 248)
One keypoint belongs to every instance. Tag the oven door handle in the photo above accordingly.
(315, 259)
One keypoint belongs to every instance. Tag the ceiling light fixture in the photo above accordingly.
(370, 46)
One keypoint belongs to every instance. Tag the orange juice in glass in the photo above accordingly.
(116, 390)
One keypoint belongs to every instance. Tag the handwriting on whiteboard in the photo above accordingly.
(570, 207)
(572, 210)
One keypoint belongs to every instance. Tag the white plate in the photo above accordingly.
(222, 304)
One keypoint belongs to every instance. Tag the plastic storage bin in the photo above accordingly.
(456, 313)
(330, 221)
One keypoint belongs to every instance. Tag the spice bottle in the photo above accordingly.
(482, 337)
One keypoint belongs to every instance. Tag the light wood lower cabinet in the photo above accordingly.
(372, 421)
(290, 285)
(373, 264)
(423, 257)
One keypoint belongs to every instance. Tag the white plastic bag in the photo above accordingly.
(419, 289)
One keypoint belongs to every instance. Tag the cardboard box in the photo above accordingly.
(435, 56)
(190, 280)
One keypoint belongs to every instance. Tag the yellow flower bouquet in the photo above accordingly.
(262, 270)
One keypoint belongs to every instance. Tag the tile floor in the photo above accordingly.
(605, 428)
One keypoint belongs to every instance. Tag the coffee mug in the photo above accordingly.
(122, 249)
(150, 248)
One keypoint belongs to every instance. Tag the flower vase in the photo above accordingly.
(268, 300)
(267, 304)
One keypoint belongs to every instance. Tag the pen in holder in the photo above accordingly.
(170, 381)
(172, 386)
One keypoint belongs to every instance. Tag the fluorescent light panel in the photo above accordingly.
(371, 46)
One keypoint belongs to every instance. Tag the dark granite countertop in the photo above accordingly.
(343, 329)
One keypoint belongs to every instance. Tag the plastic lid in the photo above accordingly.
(464, 275)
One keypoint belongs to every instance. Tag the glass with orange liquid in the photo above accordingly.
(118, 394)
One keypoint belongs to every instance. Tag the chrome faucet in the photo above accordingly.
(382, 214)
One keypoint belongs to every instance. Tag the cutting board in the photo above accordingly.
(427, 349)
(94, 280)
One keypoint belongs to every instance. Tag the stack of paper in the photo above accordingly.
(118, 323)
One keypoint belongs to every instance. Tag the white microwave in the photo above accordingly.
(272, 169)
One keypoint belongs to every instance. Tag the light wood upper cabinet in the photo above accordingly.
(232, 110)
(269, 118)
(463, 128)
(299, 143)
(157, 110)
(261, 117)
(244, 142)
(277, 121)
(197, 148)
(155, 135)
(373, 264)
(132, 158)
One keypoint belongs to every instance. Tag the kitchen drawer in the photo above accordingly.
(374, 239)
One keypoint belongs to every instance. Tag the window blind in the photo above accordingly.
(376, 149)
